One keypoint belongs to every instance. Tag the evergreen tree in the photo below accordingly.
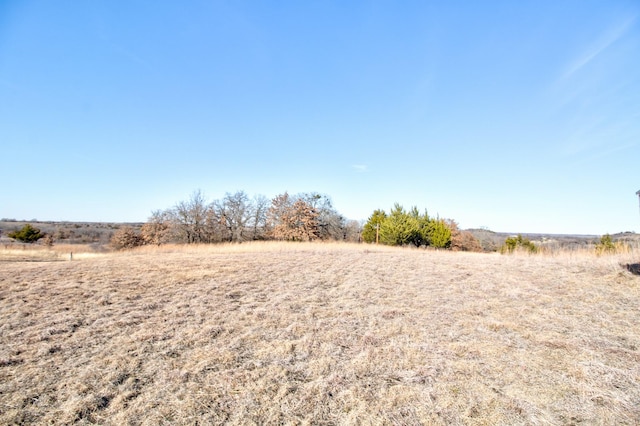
(398, 228)
(440, 234)
(27, 234)
(402, 227)
(371, 228)
(420, 228)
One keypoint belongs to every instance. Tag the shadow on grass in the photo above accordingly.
(634, 268)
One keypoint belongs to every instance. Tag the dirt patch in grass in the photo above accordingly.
(317, 334)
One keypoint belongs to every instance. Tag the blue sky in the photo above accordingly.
(518, 116)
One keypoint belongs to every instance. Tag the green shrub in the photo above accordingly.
(512, 244)
(440, 235)
(607, 246)
(401, 228)
(27, 234)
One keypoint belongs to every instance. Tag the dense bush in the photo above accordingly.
(440, 234)
(157, 230)
(27, 234)
(293, 221)
(463, 240)
(401, 227)
(126, 238)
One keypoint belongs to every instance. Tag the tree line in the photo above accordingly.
(237, 217)
(402, 227)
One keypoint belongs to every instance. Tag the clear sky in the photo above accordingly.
(518, 116)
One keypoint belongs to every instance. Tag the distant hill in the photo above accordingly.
(98, 233)
(492, 241)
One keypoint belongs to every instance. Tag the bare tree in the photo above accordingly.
(215, 228)
(237, 218)
(352, 231)
(258, 220)
(190, 217)
(235, 211)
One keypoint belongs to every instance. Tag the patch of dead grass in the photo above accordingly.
(37, 253)
(319, 334)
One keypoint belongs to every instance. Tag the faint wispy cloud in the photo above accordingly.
(605, 41)
(599, 137)
(126, 53)
(361, 168)
(603, 153)
(131, 56)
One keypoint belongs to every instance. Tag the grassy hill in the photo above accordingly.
(317, 334)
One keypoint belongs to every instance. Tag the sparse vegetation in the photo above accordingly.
(513, 244)
(95, 233)
(278, 333)
(607, 246)
(48, 240)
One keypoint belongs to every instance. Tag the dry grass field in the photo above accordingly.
(317, 334)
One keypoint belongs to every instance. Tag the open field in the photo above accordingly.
(317, 334)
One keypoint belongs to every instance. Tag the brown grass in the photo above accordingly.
(318, 334)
